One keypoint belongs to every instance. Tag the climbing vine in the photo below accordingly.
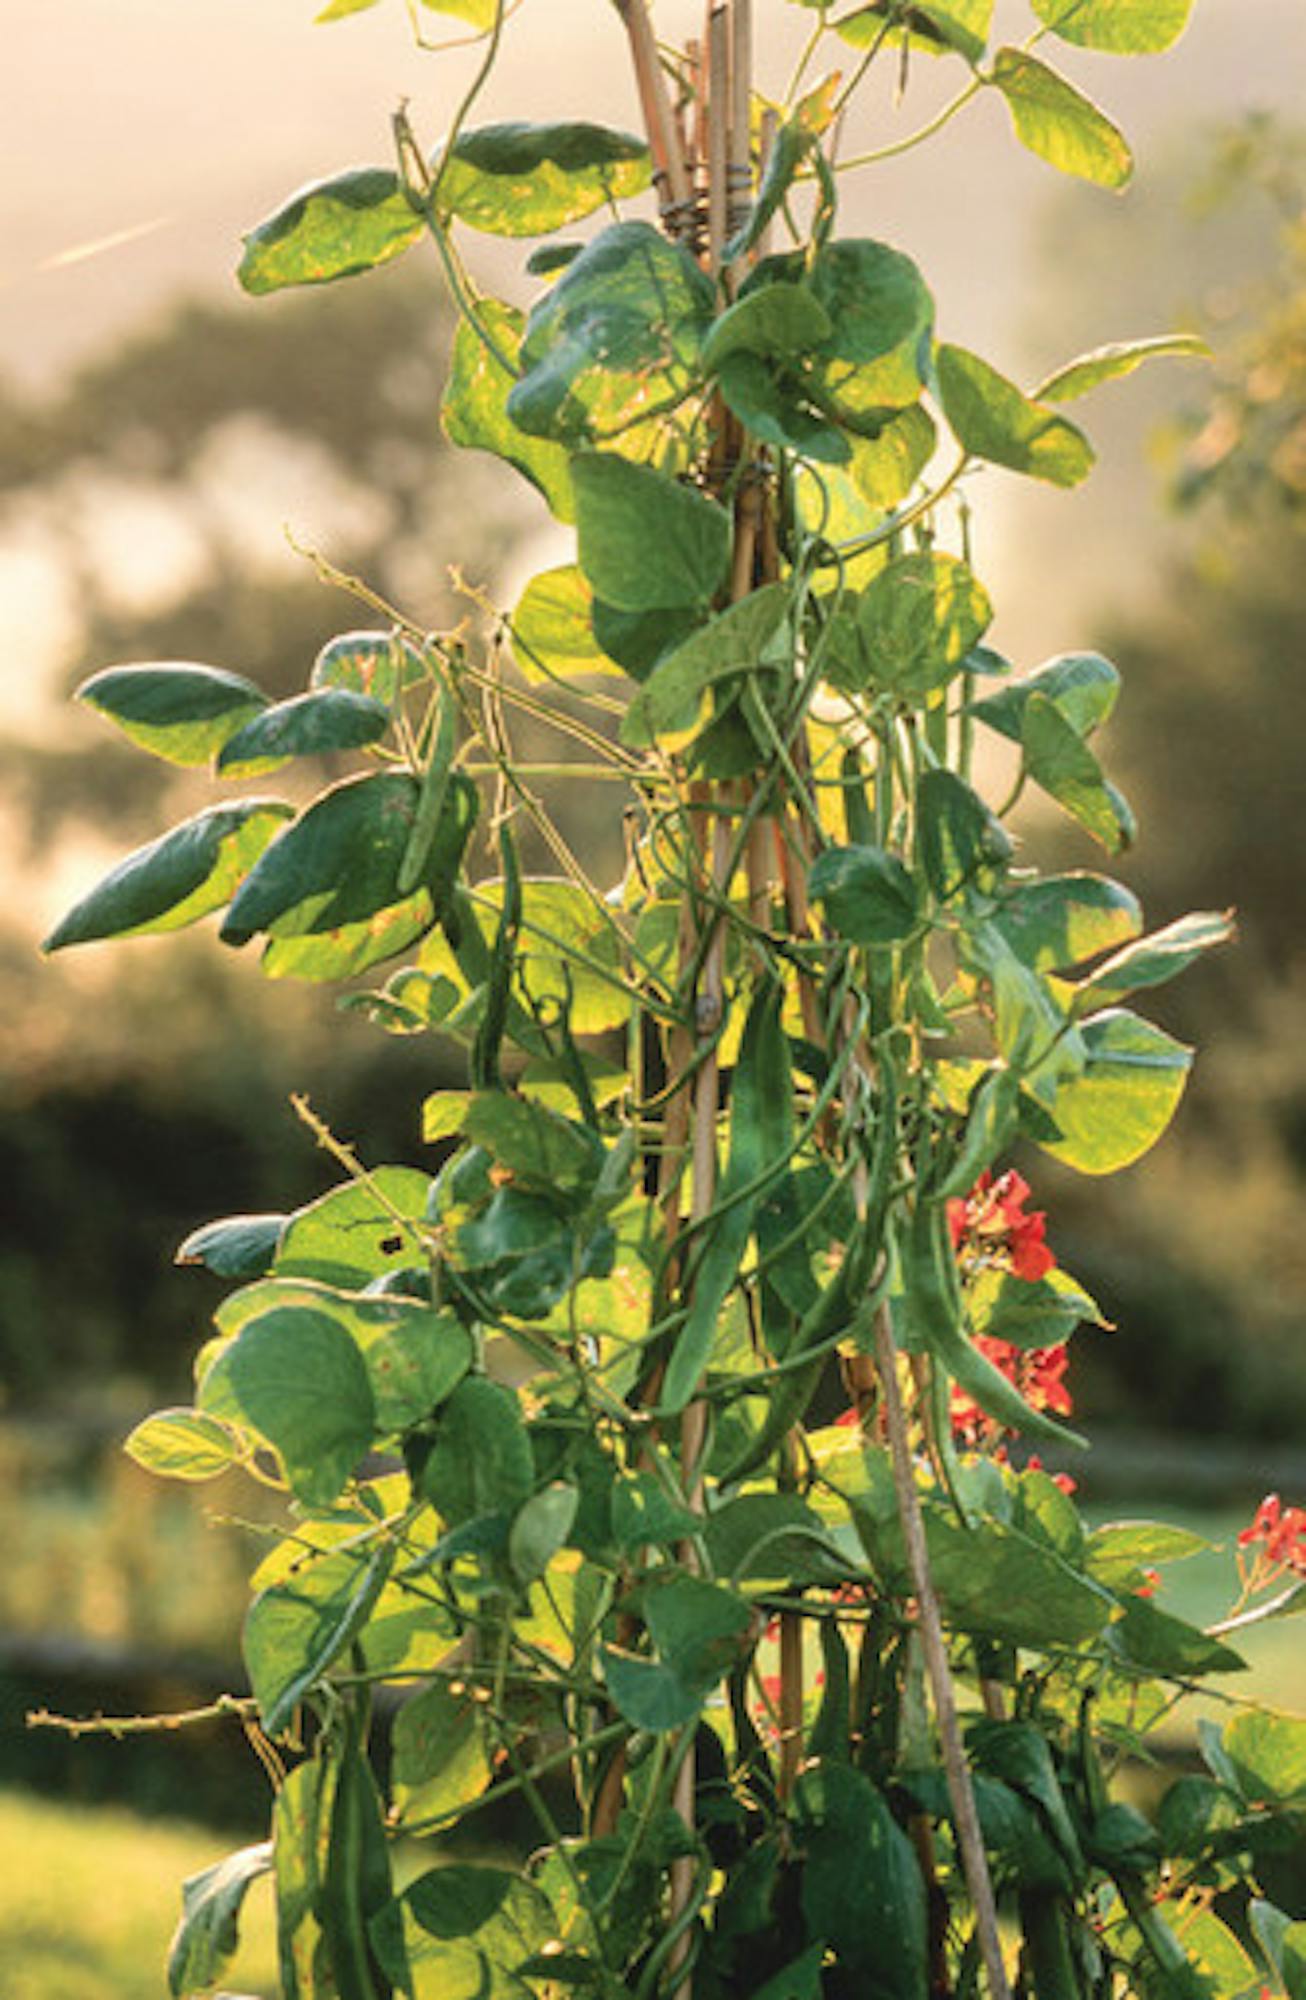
(656, 1463)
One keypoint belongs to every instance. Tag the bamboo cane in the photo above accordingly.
(670, 172)
(961, 1792)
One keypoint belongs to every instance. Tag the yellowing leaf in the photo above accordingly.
(1117, 27)
(1056, 121)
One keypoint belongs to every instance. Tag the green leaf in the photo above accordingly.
(869, 897)
(1119, 1552)
(547, 259)
(1193, 1814)
(300, 1823)
(647, 1693)
(1118, 1106)
(536, 1147)
(780, 320)
(1031, 1025)
(1111, 363)
(885, 468)
(478, 14)
(439, 1755)
(552, 629)
(309, 725)
(528, 180)
(861, 1884)
(175, 710)
(569, 954)
(294, 1630)
(356, 1232)
(1020, 1848)
(616, 338)
(761, 1538)
(1019, 1754)
(1153, 960)
(339, 863)
(463, 1931)
(933, 1319)
(1219, 1963)
(208, 1935)
(645, 542)
(771, 401)
(377, 664)
(414, 1354)
(1058, 759)
(481, 1460)
(1117, 27)
(700, 1631)
(673, 697)
(1267, 1753)
(1058, 922)
(993, 420)
(1148, 1637)
(177, 879)
(933, 26)
(332, 228)
(637, 640)
(1056, 121)
(882, 315)
(183, 1444)
(799, 1980)
(645, 1515)
(961, 842)
(240, 1246)
(1029, 1312)
(296, 1377)
(1083, 686)
(410, 1001)
(475, 411)
(1284, 1945)
(349, 949)
(539, 1529)
(917, 621)
(1011, 1587)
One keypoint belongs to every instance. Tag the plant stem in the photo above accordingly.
(961, 1792)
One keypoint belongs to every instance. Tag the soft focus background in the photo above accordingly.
(158, 437)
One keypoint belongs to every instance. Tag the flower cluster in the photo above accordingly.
(991, 1229)
(1277, 1537)
(1039, 1374)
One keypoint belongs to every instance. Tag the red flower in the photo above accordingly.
(991, 1227)
(1282, 1530)
(1038, 1373)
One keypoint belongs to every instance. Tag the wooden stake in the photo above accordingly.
(739, 185)
(961, 1793)
(675, 190)
(718, 131)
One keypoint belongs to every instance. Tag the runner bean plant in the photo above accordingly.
(667, 1601)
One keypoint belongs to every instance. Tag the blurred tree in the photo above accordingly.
(156, 485)
(1208, 735)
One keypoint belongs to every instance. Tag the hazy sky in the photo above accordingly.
(159, 129)
(141, 137)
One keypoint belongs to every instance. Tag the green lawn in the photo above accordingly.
(89, 1897)
(1202, 1589)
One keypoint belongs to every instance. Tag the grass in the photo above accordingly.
(1202, 1588)
(89, 1898)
